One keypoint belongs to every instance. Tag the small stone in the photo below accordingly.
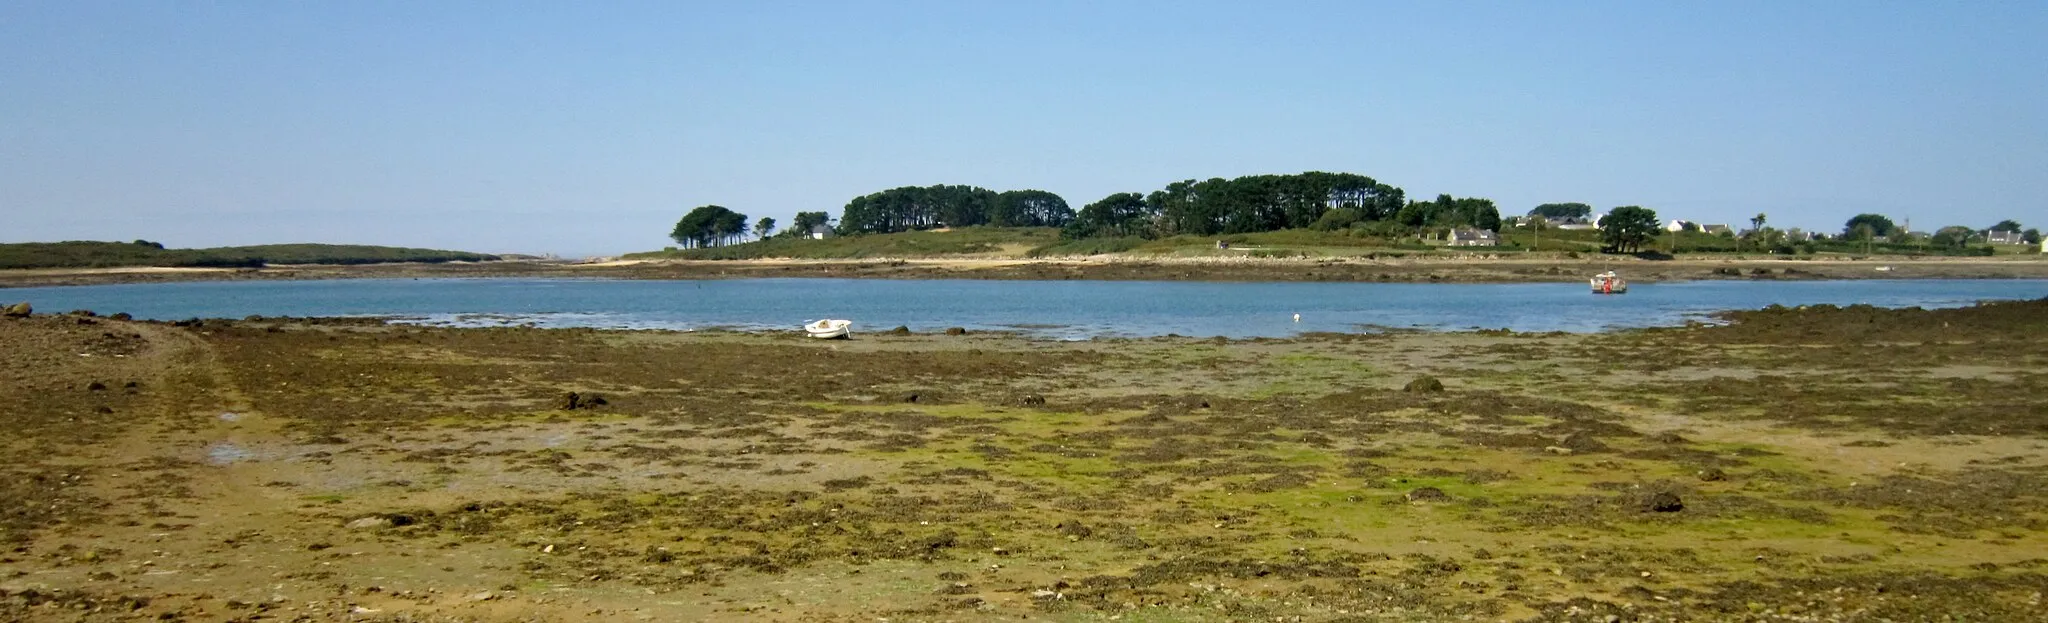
(483, 596)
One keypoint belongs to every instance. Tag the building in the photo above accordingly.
(1462, 237)
(1677, 225)
(2004, 237)
(1578, 223)
(1717, 229)
(821, 232)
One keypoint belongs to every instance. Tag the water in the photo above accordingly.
(1050, 309)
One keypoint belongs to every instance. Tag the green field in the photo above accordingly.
(88, 254)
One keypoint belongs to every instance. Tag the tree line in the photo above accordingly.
(709, 226)
(930, 207)
(1258, 203)
(1250, 204)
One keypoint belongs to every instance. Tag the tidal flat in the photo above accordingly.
(1818, 464)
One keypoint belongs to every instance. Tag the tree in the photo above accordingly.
(1120, 214)
(1030, 208)
(1756, 222)
(1563, 212)
(2031, 236)
(1952, 237)
(764, 226)
(1879, 226)
(1866, 232)
(709, 225)
(805, 221)
(2006, 225)
(1627, 228)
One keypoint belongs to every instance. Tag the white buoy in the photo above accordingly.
(1297, 317)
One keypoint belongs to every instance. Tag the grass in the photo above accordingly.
(89, 254)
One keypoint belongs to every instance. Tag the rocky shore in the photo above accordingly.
(1817, 464)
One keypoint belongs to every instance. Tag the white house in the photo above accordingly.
(1463, 237)
(1592, 223)
(1679, 225)
(2004, 237)
(821, 232)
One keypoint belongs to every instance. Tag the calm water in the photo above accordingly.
(1056, 309)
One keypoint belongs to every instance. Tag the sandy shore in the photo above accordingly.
(1476, 268)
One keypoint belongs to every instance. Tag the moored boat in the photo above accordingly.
(1609, 283)
(829, 329)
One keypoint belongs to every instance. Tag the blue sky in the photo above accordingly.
(589, 128)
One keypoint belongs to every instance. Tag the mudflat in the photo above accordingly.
(1821, 464)
(1467, 268)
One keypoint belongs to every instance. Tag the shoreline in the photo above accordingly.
(1479, 268)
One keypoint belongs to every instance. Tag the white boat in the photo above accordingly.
(1609, 283)
(829, 329)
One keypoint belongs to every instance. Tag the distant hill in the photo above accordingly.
(89, 254)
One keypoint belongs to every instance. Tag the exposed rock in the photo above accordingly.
(370, 523)
(1428, 494)
(956, 331)
(1558, 451)
(1583, 442)
(95, 386)
(1712, 474)
(1424, 384)
(18, 310)
(1664, 502)
(81, 312)
(1031, 400)
(1669, 438)
(900, 330)
(122, 316)
(575, 401)
(1073, 529)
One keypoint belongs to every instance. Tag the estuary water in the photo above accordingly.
(1045, 309)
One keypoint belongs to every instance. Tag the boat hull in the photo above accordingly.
(1609, 283)
(829, 329)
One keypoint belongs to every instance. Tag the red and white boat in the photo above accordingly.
(1609, 283)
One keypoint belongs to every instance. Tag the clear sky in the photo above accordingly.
(586, 128)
